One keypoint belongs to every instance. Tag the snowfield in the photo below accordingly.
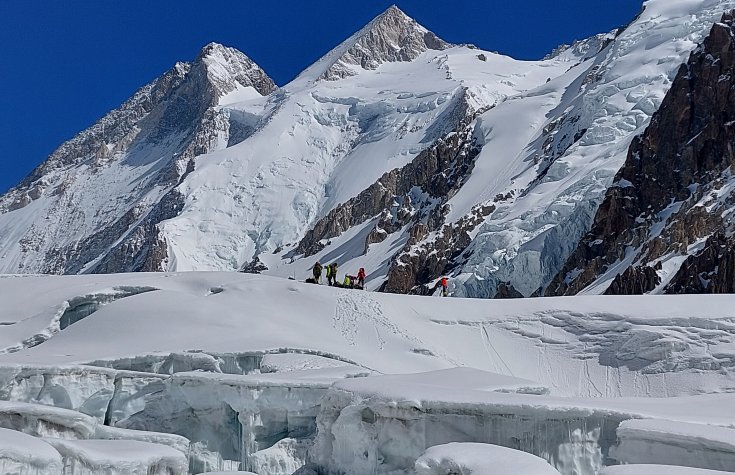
(268, 375)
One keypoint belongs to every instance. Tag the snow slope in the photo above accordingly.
(323, 143)
(210, 355)
(567, 153)
(592, 346)
(93, 204)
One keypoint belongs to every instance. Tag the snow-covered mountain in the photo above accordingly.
(93, 205)
(396, 151)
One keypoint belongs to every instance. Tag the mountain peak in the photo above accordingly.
(395, 12)
(392, 36)
(211, 48)
(227, 67)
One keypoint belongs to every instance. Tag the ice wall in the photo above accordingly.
(283, 458)
(234, 420)
(87, 390)
(652, 441)
(231, 418)
(104, 394)
(364, 431)
(373, 436)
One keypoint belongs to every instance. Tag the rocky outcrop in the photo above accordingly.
(636, 280)
(710, 271)
(673, 200)
(392, 36)
(228, 69)
(507, 291)
(431, 251)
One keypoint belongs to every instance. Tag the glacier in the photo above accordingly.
(346, 381)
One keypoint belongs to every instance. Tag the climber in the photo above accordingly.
(361, 278)
(317, 271)
(348, 282)
(333, 268)
(444, 283)
(328, 269)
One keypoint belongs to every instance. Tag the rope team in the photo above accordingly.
(354, 281)
(349, 282)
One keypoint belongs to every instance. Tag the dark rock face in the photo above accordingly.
(711, 271)
(636, 281)
(423, 260)
(507, 291)
(254, 267)
(672, 196)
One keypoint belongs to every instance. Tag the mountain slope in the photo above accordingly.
(321, 143)
(666, 225)
(390, 37)
(98, 190)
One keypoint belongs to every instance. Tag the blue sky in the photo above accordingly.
(64, 64)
